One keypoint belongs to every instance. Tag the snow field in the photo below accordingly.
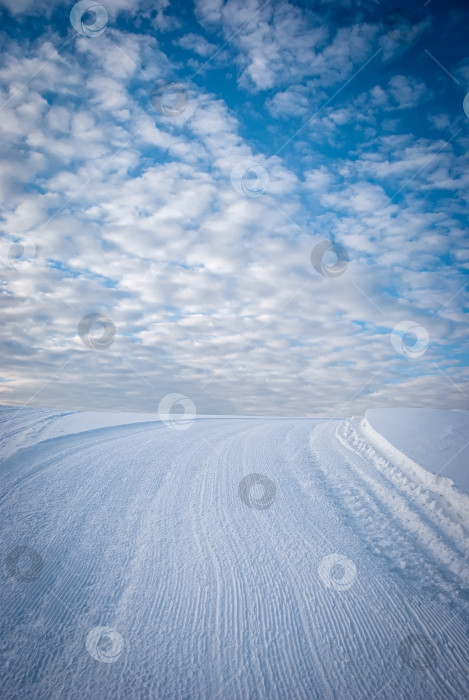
(169, 571)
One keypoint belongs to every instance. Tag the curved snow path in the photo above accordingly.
(142, 529)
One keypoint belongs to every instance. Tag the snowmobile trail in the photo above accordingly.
(238, 558)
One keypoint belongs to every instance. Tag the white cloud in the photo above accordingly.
(278, 43)
(213, 294)
(198, 44)
(209, 11)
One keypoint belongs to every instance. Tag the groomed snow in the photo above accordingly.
(236, 558)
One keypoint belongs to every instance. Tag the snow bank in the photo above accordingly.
(430, 445)
(24, 427)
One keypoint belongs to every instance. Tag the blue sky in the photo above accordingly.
(265, 203)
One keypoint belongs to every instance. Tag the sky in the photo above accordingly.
(260, 207)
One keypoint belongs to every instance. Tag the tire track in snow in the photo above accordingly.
(396, 494)
(433, 509)
(84, 523)
(361, 498)
(250, 452)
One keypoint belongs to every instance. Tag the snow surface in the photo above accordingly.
(157, 577)
(436, 440)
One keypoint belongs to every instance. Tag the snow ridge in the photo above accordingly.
(442, 485)
(436, 520)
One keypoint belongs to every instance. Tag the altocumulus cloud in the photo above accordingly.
(170, 178)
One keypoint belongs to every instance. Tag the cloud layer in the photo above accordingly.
(189, 219)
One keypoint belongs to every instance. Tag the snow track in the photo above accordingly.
(142, 529)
